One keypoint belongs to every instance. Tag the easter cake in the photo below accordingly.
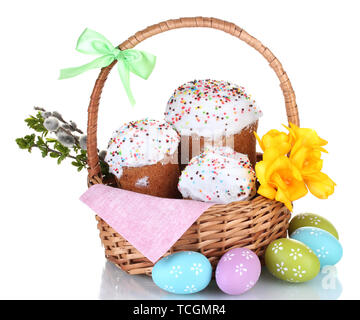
(143, 157)
(218, 175)
(213, 113)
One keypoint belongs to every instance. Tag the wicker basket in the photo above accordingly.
(252, 224)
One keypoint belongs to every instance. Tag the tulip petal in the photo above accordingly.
(298, 158)
(320, 185)
(267, 191)
(270, 155)
(284, 165)
(316, 153)
(285, 126)
(284, 147)
(323, 150)
(260, 169)
(314, 167)
(275, 139)
(280, 196)
(296, 173)
(292, 136)
(309, 136)
(277, 180)
(297, 189)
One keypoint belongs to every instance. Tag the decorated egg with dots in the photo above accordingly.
(182, 272)
(312, 220)
(327, 248)
(291, 260)
(237, 271)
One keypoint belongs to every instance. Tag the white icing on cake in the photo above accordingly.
(140, 143)
(218, 175)
(142, 182)
(211, 108)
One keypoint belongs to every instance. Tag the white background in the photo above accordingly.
(49, 244)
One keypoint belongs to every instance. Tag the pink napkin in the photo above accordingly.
(151, 224)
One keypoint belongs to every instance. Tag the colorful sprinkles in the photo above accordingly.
(211, 108)
(218, 175)
(140, 143)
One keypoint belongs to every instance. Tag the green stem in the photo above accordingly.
(57, 152)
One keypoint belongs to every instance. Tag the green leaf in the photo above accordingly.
(40, 141)
(60, 159)
(26, 142)
(54, 155)
(21, 143)
(43, 148)
(81, 158)
(40, 117)
(59, 147)
(36, 123)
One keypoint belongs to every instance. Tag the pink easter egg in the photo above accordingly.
(237, 271)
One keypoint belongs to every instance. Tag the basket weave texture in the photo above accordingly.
(252, 224)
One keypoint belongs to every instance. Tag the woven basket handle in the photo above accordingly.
(289, 95)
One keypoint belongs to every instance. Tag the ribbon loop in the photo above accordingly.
(92, 42)
(138, 62)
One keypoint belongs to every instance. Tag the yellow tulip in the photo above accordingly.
(305, 137)
(306, 156)
(320, 185)
(279, 178)
(286, 179)
(274, 139)
(307, 160)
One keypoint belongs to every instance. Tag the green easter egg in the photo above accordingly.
(312, 220)
(291, 260)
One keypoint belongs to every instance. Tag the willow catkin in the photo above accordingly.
(65, 139)
(51, 124)
(83, 142)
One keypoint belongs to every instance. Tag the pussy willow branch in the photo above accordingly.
(60, 118)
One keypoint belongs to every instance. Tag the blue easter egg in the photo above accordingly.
(326, 247)
(182, 272)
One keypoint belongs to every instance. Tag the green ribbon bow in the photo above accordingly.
(138, 62)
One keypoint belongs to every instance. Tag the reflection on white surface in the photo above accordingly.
(116, 284)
